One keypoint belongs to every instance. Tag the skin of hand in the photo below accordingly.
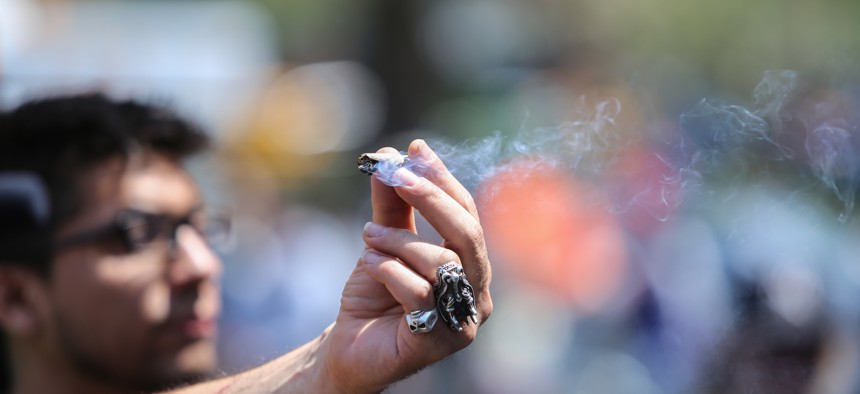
(370, 345)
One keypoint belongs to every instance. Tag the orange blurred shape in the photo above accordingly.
(645, 190)
(553, 232)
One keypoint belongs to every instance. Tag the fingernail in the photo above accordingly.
(404, 177)
(422, 151)
(374, 230)
(371, 257)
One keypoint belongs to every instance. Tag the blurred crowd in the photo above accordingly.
(667, 187)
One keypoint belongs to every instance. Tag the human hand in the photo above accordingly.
(370, 346)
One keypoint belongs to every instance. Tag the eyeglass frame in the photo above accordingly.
(166, 227)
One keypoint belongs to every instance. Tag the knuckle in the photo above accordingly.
(425, 292)
(468, 201)
(475, 234)
(447, 255)
(468, 336)
(387, 267)
(486, 308)
(426, 189)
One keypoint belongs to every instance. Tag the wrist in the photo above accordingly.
(329, 375)
(325, 380)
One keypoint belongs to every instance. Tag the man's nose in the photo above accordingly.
(193, 259)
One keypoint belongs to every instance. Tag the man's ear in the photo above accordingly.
(21, 292)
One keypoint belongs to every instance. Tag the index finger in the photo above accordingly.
(388, 208)
(436, 171)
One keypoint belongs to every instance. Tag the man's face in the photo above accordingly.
(142, 316)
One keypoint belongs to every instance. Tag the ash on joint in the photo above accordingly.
(369, 163)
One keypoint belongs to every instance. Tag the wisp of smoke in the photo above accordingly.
(583, 145)
(718, 142)
(787, 129)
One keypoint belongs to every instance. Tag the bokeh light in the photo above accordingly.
(667, 188)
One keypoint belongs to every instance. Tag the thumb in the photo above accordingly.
(388, 208)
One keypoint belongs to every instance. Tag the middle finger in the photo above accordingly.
(461, 231)
(424, 258)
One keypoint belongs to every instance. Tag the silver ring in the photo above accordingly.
(455, 297)
(421, 321)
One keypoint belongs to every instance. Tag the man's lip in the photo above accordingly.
(199, 328)
(194, 327)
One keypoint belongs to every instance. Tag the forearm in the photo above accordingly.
(302, 370)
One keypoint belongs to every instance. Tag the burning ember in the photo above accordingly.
(369, 163)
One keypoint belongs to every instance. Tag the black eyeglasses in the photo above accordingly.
(139, 229)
